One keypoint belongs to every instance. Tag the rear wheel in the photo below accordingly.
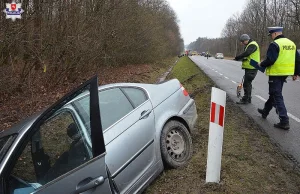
(176, 144)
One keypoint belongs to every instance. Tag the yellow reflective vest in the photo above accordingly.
(255, 56)
(285, 63)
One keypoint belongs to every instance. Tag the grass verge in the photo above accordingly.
(250, 162)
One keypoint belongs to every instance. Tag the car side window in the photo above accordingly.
(137, 96)
(56, 148)
(113, 106)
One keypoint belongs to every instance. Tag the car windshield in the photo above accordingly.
(5, 143)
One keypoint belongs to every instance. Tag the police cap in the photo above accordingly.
(274, 29)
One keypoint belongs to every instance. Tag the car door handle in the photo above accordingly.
(91, 184)
(145, 114)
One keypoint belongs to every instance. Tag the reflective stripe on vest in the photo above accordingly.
(285, 63)
(255, 56)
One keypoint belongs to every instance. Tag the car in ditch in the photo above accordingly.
(76, 147)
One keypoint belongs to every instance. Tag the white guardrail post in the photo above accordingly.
(215, 139)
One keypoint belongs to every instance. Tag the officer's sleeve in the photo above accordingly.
(297, 63)
(272, 55)
(251, 49)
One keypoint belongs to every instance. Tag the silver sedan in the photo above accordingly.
(76, 147)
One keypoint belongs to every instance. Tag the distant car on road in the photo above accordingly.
(77, 147)
(219, 56)
(194, 53)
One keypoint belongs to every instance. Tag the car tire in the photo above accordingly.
(180, 152)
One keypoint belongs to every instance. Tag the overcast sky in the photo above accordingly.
(204, 18)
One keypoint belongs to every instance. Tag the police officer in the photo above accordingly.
(251, 51)
(282, 61)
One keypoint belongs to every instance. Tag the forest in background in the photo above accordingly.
(57, 41)
(256, 16)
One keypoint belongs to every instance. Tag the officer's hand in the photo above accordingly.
(295, 77)
(258, 64)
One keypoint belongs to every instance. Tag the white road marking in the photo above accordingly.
(289, 114)
(293, 117)
(226, 77)
(261, 98)
(220, 73)
(233, 82)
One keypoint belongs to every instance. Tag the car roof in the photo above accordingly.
(27, 122)
(103, 87)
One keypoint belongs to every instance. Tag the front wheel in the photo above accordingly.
(176, 144)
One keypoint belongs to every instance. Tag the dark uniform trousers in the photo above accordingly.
(247, 85)
(276, 98)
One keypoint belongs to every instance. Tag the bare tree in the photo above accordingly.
(257, 15)
(59, 40)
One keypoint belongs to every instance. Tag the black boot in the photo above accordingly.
(284, 126)
(244, 101)
(263, 113)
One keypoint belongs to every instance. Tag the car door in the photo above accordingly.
(130, 140)
(128, 124)
(58, 154)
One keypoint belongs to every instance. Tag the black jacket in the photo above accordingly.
(251, 49)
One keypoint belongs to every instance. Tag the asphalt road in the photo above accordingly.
(227, 74)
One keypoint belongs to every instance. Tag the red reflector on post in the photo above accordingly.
(217, 114)
(221, 116)
(213, 112)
